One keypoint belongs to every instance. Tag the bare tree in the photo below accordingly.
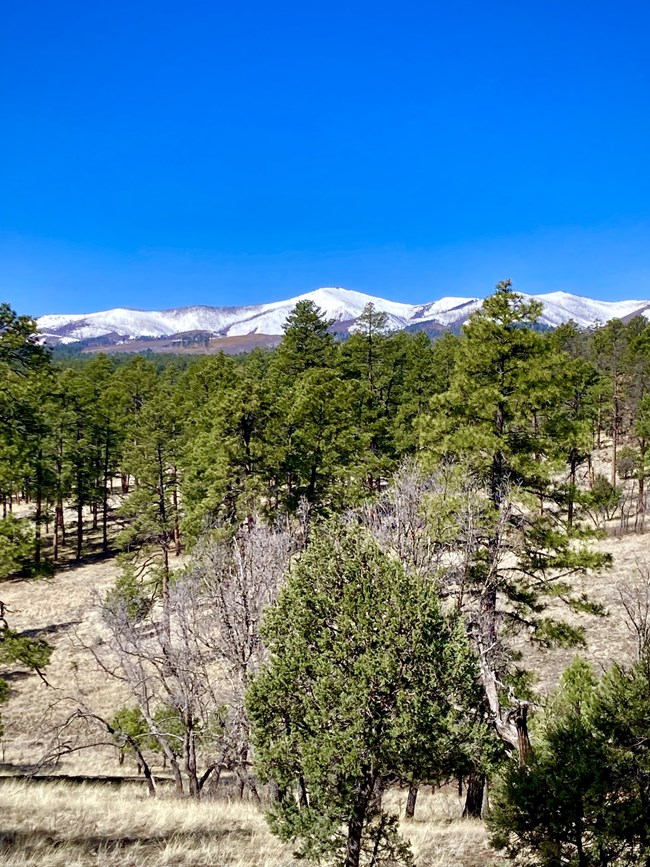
(187, 663)
(399, 521)
(238, 578)
(83, 729)
(170, 667)
(635, 599)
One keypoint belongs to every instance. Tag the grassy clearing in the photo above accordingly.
(57, 824)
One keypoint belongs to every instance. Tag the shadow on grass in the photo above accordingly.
(52, 629)
(36, 840)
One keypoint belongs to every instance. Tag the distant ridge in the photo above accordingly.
(344, 306)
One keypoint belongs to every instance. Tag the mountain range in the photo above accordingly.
(344, 306)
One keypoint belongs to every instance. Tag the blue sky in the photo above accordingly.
(158, 154)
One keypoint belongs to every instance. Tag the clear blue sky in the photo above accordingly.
(155, 154)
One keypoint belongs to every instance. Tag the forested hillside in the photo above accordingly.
(410, 512)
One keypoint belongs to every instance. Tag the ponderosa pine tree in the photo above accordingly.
(106, 436)
(309, 432)
(569, 424)
(227, 457)
(307, 342)
(610, 346)
(492, 423)
(374, 362)
(152, 456)
(315, 439)
(24, 367)
(428, 369)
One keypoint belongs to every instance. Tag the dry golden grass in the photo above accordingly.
(57, 824)
(61, 610)
(438, 836)
(609, 638)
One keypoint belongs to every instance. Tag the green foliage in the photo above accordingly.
(307, 342)
(604, 498)
(133, 593)
(33, 653)
(129, 722)
(16, 546)
(582, 799)
(627, 463)
(367, 680)
(166, 724)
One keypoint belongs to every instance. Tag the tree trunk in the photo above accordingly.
(615, 425)
(105, 519)
(473, 808)
(209, 771)
(311, 488)
(142, 763)
(38, 517)
(573, 467)
(105, 468)
(356, 822)
(189, 750)
(410, 801)
(80, 529)
(177, 531)
(640, 504)
(59, 507)
(524, 748)
(303, 796)
(510, 723)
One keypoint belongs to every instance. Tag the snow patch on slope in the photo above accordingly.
(561, 307)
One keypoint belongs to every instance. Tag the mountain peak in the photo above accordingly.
(337, 303)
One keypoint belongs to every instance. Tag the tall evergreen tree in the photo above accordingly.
(492, 423)
(152, 457)
(307, 342)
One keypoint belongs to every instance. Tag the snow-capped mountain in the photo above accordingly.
(344, 306)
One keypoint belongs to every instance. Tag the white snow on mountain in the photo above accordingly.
(561, 307)
(341, 305)
(446, 311)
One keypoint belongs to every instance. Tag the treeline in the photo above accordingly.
(316, 419)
